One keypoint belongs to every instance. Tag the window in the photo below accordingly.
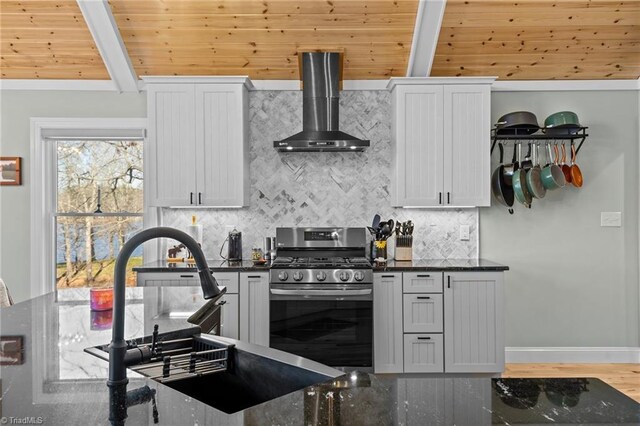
(99, 204)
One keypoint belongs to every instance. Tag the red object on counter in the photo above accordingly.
(101, 299)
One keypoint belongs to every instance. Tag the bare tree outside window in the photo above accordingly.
(99, 205)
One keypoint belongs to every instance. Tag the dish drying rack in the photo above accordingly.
(174, 356)
(197, 358)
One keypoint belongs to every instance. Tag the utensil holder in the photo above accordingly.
(378, 249)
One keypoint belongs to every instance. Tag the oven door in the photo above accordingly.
(329, 323)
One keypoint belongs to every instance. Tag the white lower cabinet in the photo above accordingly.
(473, 322)
(387, 323)
(438, 322)
(254, 308)
(230, 316)
(423, 353)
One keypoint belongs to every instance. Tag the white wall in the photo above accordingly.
(16, 108)
(572, 282)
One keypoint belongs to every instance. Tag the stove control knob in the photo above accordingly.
(297, 276)
(321, 276)
(282, 276)
(344, 276)
(358, 275)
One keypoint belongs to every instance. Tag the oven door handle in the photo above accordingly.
(329, 293)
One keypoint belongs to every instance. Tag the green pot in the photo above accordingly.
(562, 123)
(520, 190)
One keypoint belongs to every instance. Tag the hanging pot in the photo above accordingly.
(534, 177)
(551, 175)
(566, 169)
(519, 184)
(576, 173)
(499, 188)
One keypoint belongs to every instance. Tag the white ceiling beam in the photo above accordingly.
(104, 30)
(425, 37)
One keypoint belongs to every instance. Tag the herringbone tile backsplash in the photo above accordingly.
(325, 189)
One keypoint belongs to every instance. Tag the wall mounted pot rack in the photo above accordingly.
(580, 136)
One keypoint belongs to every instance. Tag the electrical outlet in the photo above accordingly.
(464, 232)
(613, 219)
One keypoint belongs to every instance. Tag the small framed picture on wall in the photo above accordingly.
(10, 171)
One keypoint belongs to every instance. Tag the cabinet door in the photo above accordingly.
(228, 279)
(423, 353)
(230, 316)
(387, 323)
(473, 323)
(467, 144)
(254, 308)
(422, 313)
(222, 144)
(422, 282)
(417, 132)
(172, 150)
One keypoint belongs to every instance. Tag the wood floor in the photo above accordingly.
(624, 377)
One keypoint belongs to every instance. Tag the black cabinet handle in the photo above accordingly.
(423, 276)
(388, 276)
(439, 197)
(253, 276)
(448, 281)
(191, 198)
(423, 297)
(448, 198)
(186, 276)
(424, 338)
(199, 197)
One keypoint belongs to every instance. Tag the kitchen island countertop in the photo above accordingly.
(415, 265)
(57, 383)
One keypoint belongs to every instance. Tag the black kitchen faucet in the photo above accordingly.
(119, 400)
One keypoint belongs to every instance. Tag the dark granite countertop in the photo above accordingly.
(440, 265)
(214, 266)
(391, 265)
(56, 383)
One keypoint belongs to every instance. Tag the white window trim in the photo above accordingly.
(43, 186)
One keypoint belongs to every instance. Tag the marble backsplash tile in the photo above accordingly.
(324, 189)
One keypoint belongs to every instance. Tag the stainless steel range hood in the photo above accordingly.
(321, 75)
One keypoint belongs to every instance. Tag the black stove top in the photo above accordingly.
(321, 262)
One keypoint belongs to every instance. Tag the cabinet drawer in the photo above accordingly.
(423, 353)
(169, 279)
(230, 280)
(422, 282)
(422, 313)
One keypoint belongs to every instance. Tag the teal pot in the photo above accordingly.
(519, 183)
(562, 123)
(552, 175)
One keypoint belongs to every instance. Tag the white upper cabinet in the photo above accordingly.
(199, 141)
(441, 142)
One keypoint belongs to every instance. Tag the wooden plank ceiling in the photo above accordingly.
(260, 38)
(47, 39)
(540, 39)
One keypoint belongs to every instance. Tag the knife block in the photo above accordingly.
(404, 253)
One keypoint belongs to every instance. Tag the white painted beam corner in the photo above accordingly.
(103, 28)
(425, 37)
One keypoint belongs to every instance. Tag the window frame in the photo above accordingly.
(43, 166)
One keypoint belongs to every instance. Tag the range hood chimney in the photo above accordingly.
(321, 79)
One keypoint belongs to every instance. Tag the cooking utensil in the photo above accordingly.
(376, 221)
(576, 173)
(534, 177)
(562, 123)
(551, 175)
(519, 183)
(518, 122)
(566, 169)
(509, 169)
(499, 188)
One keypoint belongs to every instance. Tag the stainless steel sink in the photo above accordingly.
(226, 374)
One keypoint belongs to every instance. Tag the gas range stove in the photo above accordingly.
(321, 256)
